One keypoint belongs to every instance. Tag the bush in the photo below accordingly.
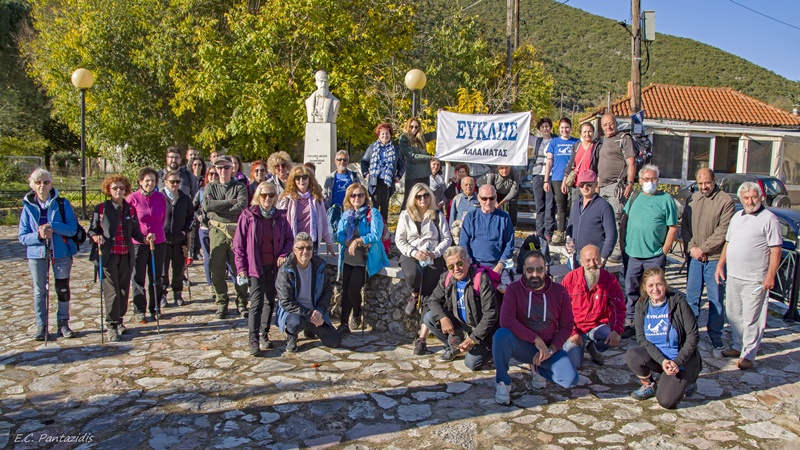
(9, 173)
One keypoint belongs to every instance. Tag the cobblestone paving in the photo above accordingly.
(195, 386)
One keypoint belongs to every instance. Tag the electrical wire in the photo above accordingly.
(762, 14)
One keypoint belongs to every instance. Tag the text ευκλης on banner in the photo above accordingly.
(492, 139)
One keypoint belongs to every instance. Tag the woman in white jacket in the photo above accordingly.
(422, 237)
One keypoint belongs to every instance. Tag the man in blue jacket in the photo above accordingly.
(591, 221)
(488, 235)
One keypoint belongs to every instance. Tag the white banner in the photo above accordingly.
(492, 139)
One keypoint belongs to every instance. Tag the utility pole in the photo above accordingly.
(636, 57)
(512, 43)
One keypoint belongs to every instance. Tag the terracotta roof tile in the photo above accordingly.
(721, 105)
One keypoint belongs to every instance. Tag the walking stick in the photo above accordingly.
(188, 261)
(48, 257)
(100, 275)
(155, 290)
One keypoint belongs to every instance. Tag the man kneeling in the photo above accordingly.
(536, 320)
(304, 295)
(459, 305)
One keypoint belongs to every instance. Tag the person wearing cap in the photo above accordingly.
(591, 220)
(224, 200)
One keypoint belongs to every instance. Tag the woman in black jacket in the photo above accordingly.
(114, 224)
(667, 333)
(177, 226)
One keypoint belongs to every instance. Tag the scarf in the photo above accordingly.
(169, 195)
(265, 213)
(312, 205)
(381, 162)
(353, 218)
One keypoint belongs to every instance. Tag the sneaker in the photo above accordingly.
(179, 299)
(243, 311)
(744, 364)
(420, 346)
(502, 393)
(141, 318)
(731, 353)
(717, 344)
(645, 391)
(64, 330)
(291, 343)
(597, 358)
(309, 335)
(356, 321)
(537, 381)
(558, 238)
(691, 389)
(253, 347)
(448, 355)
(113, 334)
(164, 303)
(121, 329)
(267, 344)
(411, 305)
(628, 332)
(343, 330)
(39, 336)
(221, 314)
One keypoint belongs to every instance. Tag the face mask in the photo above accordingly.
(649, 187)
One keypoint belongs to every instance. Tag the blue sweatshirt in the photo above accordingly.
(488, 238)
(594, 224)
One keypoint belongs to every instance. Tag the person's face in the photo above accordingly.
(461, 173)
(225, 172)
(436, 166)
(117, 191)
(213, 175)
(609, 126)
(705, 183)
(384, 136)
(197, 168)
(42, 187)
(173, 183)
(192, 154)
(173, 161)
(259, 173)
(535, 271)
(649, 176)
(564, 129)
(267, 198)
(357, 198)
(413, 128)
(457, 266)
(588, 189)
(751, 201)
(341, 162)
(504, 171)
(488, 199)
(303, 250)
(423, 199)
(468, 186)
(587, 134)
(302, 182)
(590, 258)
(656, 288)
(546, 129)
(281, 170)
(322, 81)
(213, 157)
(148, 183)
(235, 163)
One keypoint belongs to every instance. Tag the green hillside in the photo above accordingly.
(590, 56)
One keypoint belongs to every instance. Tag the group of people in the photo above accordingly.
(456, 243)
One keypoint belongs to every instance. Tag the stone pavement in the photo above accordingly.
(195, 386)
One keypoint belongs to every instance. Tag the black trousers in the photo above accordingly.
(116, 287)
(262, 303)
(380, 199)
(353, 279)
(510, 207)
(173, 257)
(421, 280)
(671, 388)
(410, 182)
(142, 267)
(561, 205)
(295, 323)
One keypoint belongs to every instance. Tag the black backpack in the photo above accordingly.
(642, 149)
(531, 243)
(80, 234)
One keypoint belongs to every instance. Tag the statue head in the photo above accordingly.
(321, 78)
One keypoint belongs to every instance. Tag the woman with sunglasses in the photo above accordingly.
(413, 143)
(200, 217)
(258, 175)
(362, 255)
(305, 207)
(113, 228)
(261, 244)
(279, 165)
(177, 225)
(422, 237)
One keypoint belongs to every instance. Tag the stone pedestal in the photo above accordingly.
(320, 148)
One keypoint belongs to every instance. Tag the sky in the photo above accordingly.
(723, 24)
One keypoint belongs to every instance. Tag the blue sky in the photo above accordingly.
(724, 25)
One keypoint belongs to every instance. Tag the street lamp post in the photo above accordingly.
(415, 80)
(83, 80)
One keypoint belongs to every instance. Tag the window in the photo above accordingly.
(791, 162)
(759, 156)
(726, 152)
(699, 152)
(668, 155)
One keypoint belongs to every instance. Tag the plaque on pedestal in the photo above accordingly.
(320, 148)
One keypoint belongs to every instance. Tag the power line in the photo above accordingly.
(762, 14)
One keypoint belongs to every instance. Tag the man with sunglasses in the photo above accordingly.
(536, 320)
(304, 290)
(336, 185)
(488, 235)
(591, 221)
(223, 202)
(458, 307)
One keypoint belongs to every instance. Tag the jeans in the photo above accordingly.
(505, 345)
(597, 334)
(702, 273)
(61, 271)
(545, 207)
(475, 358)
(633, 278)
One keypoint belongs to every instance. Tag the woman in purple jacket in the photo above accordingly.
(263, 240)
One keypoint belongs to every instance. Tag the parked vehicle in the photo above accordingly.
(775, 193)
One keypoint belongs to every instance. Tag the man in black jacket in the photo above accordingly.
(458, 307)
(189, 184)
(177, 225)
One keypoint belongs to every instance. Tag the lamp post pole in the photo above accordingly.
(83, 80)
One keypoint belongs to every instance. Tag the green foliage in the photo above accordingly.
(9, 173)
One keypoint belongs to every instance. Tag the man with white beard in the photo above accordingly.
(598, 307)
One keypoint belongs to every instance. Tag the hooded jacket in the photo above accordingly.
(546, 312)
(603, 304)
(28, 230)
(247, 240)
(288, 288)
(107, 225)
(481, 312)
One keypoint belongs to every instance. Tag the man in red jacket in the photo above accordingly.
(598, 307)
(536, 321)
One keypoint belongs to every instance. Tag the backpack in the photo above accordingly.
(385, 239)
(531, 243)
(476, 281)
(80, 234)
(642, 150)
(623, 221)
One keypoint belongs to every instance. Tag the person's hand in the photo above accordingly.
(466, 345)
(501, 203)
(150, 238)
(544, 352)
(696, 253)
(576, 340)
(396, 180)
(546, 186)
(242, 274)
(447, 325)
(768, 283)
(570, 246)
(564, 188)
(98, 239)
(628, 190)
(499, 268)
(719, 274)
(670, 368)
(613, 339)
(281, 260)
(420, 255)
(45, 231)
(351, 249)
(329, 249)
(316, 318)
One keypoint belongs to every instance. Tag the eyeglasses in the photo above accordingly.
(304, 248)
(341, 159)
(212, 174)
(224, 167)
(303, 177)
(116, 188)
(361, 195)
(541, 269)
(423, 196)
(267, 195)
(174, 181)
(586, 185)
(487, 199)
(413, 127)
(40, 182)
(458, 264)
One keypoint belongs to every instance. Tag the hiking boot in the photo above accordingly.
(64, 331)
(420, 346)
(731, 353)
(121, 329)
(411, 305)
(597, 358)
(744, 364)
(113, 334)
(502, 393)
(221, 314)
(343, 330)
(291, 343)
(267, 344)
(39, 336)
(156, 315)
(645, 391)
(717, 344)
(537, 382)
(691, 389)
(243, 311)
(629, 330)
(558, 238)
(448, 355)
(356, 321)
(164, 303)
(178, 299)
(140, 317)
(253, 346)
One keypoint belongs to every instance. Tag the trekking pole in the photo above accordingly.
(155, 293)
(186, 272)
(364, 304)
(100, 275)
(48, 257)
